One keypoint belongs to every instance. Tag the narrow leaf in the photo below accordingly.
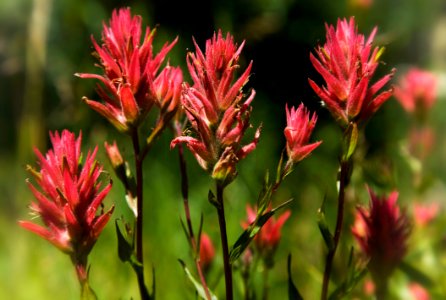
(293, 293)
(323, 227)
(212, 199)
(346, 287)
(125, 248)
(249, 233)
(350, 140)
(416, 275)
(198, 287)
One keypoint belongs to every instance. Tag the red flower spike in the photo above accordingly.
(382, 232)
(417, 91)
(347, 63)
(114, 155)
(69, 197)
(216, 108)
(207, 251)
(298, 131)
(132, 82)
(267, 239)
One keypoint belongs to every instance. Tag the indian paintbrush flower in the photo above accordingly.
(417, 91)
(69, 199)
(123, 172)
(424, 213)
(382, 232)
(347, 63)
(132, 82)
(267, 239)
(207, 251)
(215, 108)
(298, 131)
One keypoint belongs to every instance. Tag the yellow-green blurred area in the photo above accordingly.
(43, 43)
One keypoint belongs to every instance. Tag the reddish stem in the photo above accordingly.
(343, 181)
(193, 242)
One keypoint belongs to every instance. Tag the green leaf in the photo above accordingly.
(293, 293)
(350, 140)
(212, 199)
(416, 275)
(355, 274)
(264, 198)
(346, 287)
(198, 287)
(249, 233)
(323, 227)
(125, 248)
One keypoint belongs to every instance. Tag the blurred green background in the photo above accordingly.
(43, 43)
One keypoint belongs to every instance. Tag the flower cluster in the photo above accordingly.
(298, 131)
(207, 251)
(382, 233)
(347, 63)
(132, 82)
(417, 91)
(70, 197)
(268, 238)
(216, 108)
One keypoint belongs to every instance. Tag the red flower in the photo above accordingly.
(347, 63)
(298, 131)
(214, 106)
(417, 91)
(207, 251)
(114, 155)
(268, 238)
(69, 200)
(382, 233)
(132, 83)
(424, 213)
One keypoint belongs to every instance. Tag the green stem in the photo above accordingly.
(80, 264)
(381, 289)
(265, 283)
(224, 241)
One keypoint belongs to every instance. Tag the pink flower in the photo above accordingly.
(421, 141)
(424, 213)
(132, 82)
(114, 155)
(347, 63)
(69, 197)
(298, 131)
(418, 292)
(268, 238)
(216, 108)
(207, 251)
(417, 91)
(382, 232)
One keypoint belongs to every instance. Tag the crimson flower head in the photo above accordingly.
(217, 108)
(347, 63)
(68, 197)
(298, 131)
(382, 232)
(132, 81)
(207, 251)
(417, 91)
(268, 238)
